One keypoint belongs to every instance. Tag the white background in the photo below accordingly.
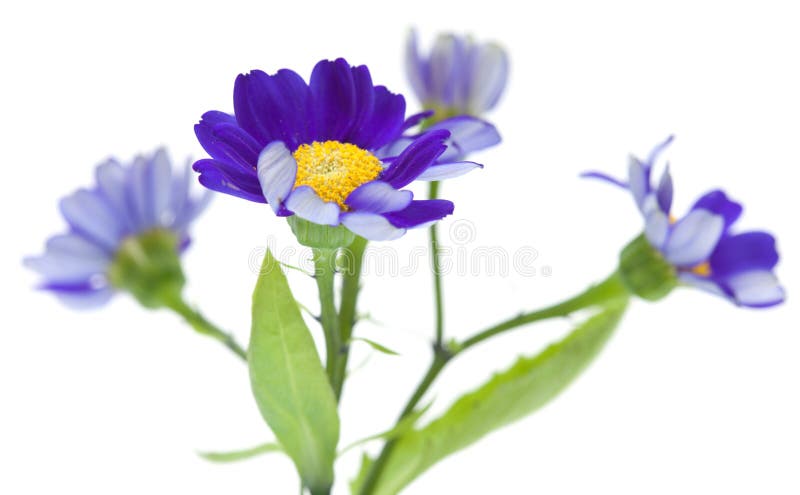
(692, 395)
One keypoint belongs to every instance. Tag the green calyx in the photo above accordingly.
(645, 272)
(148, 266)
(318, 236)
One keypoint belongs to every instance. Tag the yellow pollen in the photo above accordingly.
(703, 269)
(672, 219)
(334, 170)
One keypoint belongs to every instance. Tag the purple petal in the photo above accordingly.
(416, 119)
(272, 107)
(694, 238)
(443, 63)
(593, 174)
(334, 99)
(378, 197)
(415, 159)
(228, 142)
(386, 122)
(443, 171)
(744, 252)
(420, 212)
(717, 202)
(306, 204)
(216, 175)
(665, 191)
(656, 152)
(80, 296)
(277, 171)
(371, 226)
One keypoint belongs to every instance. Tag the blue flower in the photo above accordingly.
(127, 201)
(702, 246)
(332, 151)
(459, 76)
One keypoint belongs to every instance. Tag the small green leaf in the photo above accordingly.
(378, 347)
(288, 381)
(240, 455)
(511, 395)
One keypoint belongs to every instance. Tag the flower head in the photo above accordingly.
(702, 247)
(459, 76)
(331, 151)
(129, 203)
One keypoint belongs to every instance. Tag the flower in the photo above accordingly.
(459, 76)
(129, 202)
(702, 247)
(331, 151)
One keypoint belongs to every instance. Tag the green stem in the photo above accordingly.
(436, 266)
(611, 288)
(203, 326)
(606, 291)
(351, 283)
(324, 275)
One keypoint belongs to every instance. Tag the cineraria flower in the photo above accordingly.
(318, 150)
(129, 203)
(459, 76)
(701, 247)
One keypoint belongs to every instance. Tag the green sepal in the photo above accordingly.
(645, 272)
(318, 236)
(148, 266)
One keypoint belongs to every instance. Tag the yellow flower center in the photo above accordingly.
(703, 269)
(334, 170)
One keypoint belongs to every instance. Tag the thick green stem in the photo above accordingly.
(351, 283)
(203, 326)
(324, 274)
(610, 289)
(436, 268)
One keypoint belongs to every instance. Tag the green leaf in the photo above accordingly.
(240, 455)
(378, 347)
(289, 383)
(511, 395)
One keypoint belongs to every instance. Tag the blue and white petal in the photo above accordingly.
(306, 204)
(277, 171)
(757, 289)
(693, 238)
(372, 226)
(489, 74)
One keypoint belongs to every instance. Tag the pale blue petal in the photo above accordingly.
(415, 68)
(160, 184)
(277, 171)
(306, 204)
(656, 228)
(759, 288)
(442, 67)
(89, 299)
(69, 258)
(448, 170)
(702, 283)
(694, 238)
(638, 178)
(467, 134)
(488, 78)
(110, 177)
(372, 226)
(90, 215)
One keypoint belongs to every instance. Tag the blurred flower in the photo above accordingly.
(331, 151)
(459, 76)
(701, 246)
(129, 203)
